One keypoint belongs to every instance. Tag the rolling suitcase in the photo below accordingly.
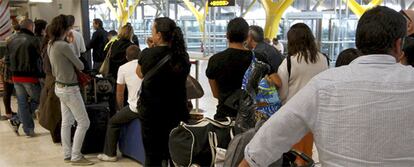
(98, 113)
(95, 136)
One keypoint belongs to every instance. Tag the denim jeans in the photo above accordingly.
(72, 108)
(28, 100)
(121, 118)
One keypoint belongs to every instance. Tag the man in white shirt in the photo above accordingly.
(360, 114)
(126, 77)
(76, 37)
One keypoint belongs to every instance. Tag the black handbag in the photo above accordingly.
(196, 143)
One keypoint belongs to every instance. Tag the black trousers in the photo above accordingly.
(122, 117)
(155, 138)
(8, 92)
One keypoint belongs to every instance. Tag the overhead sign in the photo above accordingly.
(221, 3)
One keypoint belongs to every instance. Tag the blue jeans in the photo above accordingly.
(73, 109)
(28, 100)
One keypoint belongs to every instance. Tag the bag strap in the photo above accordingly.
(212, 140)
(108, 54)
(289, 65)
(154, 69)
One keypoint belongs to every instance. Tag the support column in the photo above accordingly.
(86, 28)
(359, 9)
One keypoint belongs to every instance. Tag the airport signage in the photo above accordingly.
(221, 3)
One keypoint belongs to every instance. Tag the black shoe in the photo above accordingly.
(15, 126)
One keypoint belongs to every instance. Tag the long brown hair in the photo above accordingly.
(301, 42)
(171, 33)
(57, 28)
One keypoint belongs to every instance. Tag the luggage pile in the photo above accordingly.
(96, 96)
(213, 143)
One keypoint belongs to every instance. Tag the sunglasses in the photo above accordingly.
(405, 15)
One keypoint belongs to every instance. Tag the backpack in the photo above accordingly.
(235, 151)
(243, 100)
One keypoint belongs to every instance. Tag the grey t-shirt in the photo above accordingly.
(64, 61)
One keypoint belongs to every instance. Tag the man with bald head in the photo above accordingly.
(23, 55)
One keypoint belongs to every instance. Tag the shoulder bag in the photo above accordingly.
(104, 69)
(83, 78)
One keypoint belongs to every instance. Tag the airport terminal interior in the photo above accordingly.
(205, 32)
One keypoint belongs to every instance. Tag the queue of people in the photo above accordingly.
(362, 106)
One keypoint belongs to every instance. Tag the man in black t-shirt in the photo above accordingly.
(265, 53)
(226, 69)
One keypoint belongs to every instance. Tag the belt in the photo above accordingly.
(61, 85)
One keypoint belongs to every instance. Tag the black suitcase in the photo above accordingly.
(95, 136)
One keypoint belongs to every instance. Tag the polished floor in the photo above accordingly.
(20, 151)
(40, 151)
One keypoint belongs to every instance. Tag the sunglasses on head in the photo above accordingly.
(405, 15)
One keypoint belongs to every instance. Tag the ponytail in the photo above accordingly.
(177, 43)
(172, 33)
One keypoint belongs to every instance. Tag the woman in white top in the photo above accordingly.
(305, 62)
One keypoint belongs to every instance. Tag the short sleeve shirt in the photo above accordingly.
(269, 55)
(227, 68)
(128, 77)
(164, 93)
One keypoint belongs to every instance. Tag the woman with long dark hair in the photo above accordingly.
(49, 107)
(163, 101)
(305, 62)
(64, 63)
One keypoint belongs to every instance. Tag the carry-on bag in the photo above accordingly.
(95, 136)
(196, 143)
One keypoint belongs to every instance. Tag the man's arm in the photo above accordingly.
(120, 89)
(139, 72)
(285, 128)
(276, 80)
(214, 88)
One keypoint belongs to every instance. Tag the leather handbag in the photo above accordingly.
(83, 78)
(104, 69)
(194, 89)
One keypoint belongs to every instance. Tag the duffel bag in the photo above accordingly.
(192, 143)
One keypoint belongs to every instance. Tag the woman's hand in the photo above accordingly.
(150, 42)
(69, 37)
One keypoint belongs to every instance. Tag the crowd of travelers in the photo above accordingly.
(356, 114)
